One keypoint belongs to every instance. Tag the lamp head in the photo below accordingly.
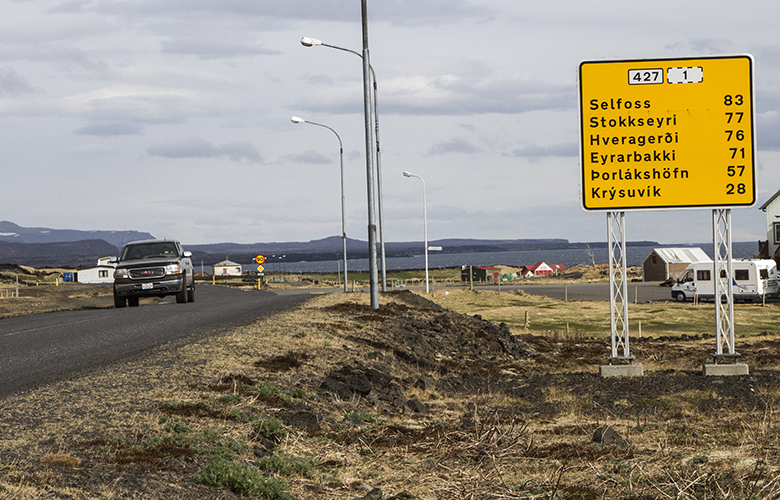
(297, 119)
(408, 174)
(308, 42)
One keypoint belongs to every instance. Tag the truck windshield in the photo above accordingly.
(148, 251)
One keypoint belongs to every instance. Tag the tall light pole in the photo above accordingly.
(369, 158)
(312, 42)
(296, 119)
(425, 225)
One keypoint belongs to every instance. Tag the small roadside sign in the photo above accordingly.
(260, 259)
(667, 133)
(260, 269)
(434, 248)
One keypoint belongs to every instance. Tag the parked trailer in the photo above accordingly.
(752, 280)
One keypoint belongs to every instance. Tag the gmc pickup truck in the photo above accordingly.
(153, 268)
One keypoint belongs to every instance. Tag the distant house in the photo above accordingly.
(538, 269)
(227, 268)
(102, 273)
(770, 249)
(486, 274)
(557, 268)
(665, 263)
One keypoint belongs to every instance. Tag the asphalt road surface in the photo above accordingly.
(44, 347)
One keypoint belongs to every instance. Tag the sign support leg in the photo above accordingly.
(618, 301)
(723, 280)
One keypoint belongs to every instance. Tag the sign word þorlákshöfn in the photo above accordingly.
(667, 133)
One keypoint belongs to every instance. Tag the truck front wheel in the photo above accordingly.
(680, 297)
(119, 302)
(181, 296)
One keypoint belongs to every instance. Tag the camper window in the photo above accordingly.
(703, 275)
(764, 274)
(741, 274)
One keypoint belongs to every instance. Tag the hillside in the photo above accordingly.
(45, 247)
(63, 254)
(14, 233)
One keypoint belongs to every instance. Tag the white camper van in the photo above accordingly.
(752, 281)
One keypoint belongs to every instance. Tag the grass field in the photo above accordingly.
(557, 318)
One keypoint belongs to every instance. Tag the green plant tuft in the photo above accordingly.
(287, 465)
(271, 429)
(243, 480)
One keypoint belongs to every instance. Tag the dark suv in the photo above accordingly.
(153, 268)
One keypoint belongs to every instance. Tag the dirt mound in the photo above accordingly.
(412, 299)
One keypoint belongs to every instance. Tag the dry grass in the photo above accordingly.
(126, 432)
(552, 317)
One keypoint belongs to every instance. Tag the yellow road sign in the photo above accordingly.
(260, 269)
(667, 133)
(260, 259)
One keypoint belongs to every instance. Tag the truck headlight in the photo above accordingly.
(120, 273)
(173, 269)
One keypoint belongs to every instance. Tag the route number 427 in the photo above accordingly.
(645, 76)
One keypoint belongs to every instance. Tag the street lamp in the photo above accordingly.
(312, 42)
(296, 119)
(425, 225)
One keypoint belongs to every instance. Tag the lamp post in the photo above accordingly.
(425, 225)
(312, 42)
(296, 119)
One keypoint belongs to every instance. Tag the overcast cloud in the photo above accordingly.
(173, 116)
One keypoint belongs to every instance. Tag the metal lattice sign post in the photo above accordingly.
(667, 134)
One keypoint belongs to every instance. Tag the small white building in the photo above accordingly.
(227, 268)
(102, 273)
(772, 209)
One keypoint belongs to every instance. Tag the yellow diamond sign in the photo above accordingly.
(667, 133)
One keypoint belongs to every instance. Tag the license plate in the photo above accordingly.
(147, 286)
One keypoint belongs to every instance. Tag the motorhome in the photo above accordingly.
(752, 280)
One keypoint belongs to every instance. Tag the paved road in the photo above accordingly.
(44, 347)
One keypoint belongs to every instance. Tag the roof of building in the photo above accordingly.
(682, 255)
(770, 200)
(226, 263)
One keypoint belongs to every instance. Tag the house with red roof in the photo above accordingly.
(540, 269)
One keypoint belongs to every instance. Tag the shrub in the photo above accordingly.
(286, 465)
(271, 429)
(243, 480)
(267, 389)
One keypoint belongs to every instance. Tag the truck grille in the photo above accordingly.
(147, 273)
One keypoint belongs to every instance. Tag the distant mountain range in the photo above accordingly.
(44, 247)
(13, 233)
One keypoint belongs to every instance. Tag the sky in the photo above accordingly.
(173, 116)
